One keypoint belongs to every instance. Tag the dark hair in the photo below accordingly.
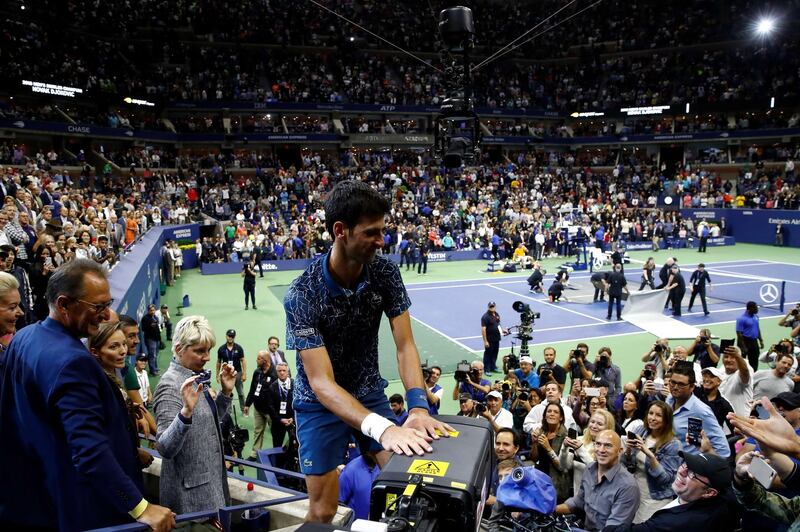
(127, 321)
(514, 435)
(686, 369)
(271, 337)
(350, 201)
(436, 367)
(544, 416)
(396, 398)
(69, 279)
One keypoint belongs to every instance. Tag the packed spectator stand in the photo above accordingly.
(92, 197)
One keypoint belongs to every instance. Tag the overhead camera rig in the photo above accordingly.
(457, 130)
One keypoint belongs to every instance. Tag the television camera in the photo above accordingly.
(443, 490)
(457, 131)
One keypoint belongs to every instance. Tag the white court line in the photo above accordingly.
(437, 331)
(535, 329)
(765, 261)
(543, 302)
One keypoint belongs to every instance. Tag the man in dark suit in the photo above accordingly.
(279, 403)
(65, 439)
(276, 355)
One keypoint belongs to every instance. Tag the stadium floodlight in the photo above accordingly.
(765, 26)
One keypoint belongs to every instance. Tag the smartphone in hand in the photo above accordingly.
(694, 429)
(762, 472)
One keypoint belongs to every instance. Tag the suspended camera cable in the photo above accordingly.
(501, 50)
(365, 30)
(560, 22)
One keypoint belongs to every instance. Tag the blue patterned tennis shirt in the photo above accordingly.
(319, 312)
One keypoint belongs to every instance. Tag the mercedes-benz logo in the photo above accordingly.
(769, 293)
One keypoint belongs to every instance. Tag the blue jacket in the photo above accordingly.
(659, 479)
(65, 438)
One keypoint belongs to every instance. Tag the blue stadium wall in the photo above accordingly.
(753, 226)
(135, 281)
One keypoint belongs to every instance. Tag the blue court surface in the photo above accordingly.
(453, 308)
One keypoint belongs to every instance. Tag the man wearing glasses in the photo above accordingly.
(686, 405)
(65, 437)
(700, 484)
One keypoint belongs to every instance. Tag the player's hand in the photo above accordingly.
(158, 518)
(422, 421)
(406, 440)
(774, 432)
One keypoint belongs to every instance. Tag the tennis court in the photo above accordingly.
(452, 308)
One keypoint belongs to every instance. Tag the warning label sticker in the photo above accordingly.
(429, 467)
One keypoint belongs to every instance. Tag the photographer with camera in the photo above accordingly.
(469, 380)
(549, 369)
(433, 390)
(491, 331)
(577, 366)
(497, 416)
(658, 355)
(466, 406)
(792, 320)
(784, 346)
(609, 372)
(706, 353)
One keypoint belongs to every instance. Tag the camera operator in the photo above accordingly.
(466, 406)
(494, 412)
(705, 352)
(473, 384)
(491, 332)
(609, 372)
(577, 366)
(432, 388)
(658, 354)
(779, 348)
(549, 366)
(792, 320)
(521, 405)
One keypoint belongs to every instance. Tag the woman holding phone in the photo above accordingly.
(651, 455)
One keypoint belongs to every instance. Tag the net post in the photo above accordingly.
(783, 295)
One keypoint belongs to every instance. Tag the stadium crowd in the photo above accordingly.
(680, 445)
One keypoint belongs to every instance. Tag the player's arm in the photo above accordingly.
(411, 375)
(337, 400)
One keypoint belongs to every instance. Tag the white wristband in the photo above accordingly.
(374, 426)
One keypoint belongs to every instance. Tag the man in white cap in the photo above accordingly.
(709, 393)
(497, 416)
(525, 372)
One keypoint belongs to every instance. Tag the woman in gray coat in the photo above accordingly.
(193, 475)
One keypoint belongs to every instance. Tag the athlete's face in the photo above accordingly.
(365, 239)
